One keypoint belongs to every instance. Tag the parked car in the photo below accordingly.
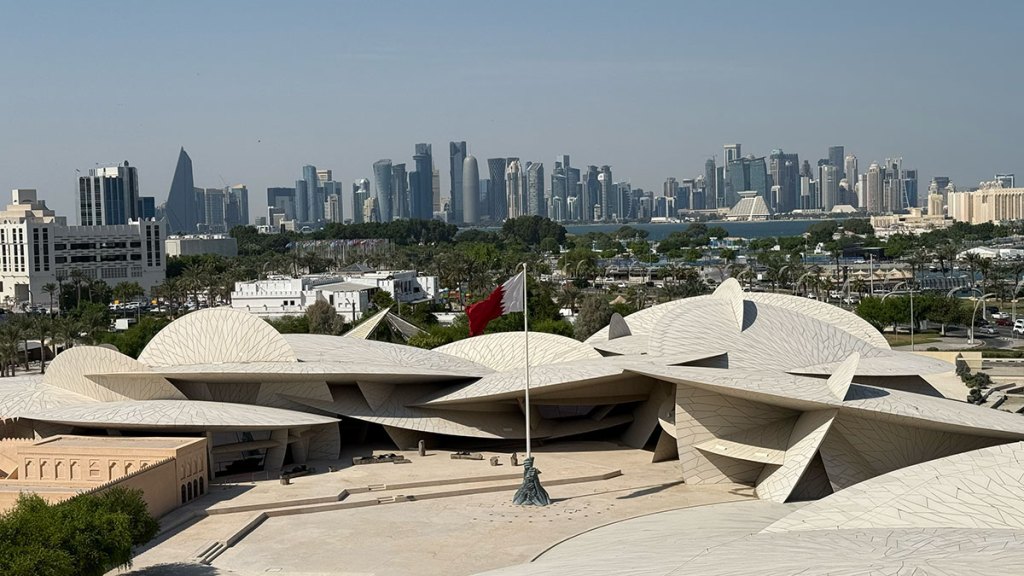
(987, 329)
(1018, 327)
(1004, 322)
(999, 315)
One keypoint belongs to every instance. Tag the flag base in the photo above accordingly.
(531, 493)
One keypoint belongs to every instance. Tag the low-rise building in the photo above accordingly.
(913, 222)
(220, 244)
(990, 203)
(37, 247)
(349, 292)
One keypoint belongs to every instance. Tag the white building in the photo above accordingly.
(37, 247)
(990, 203)
(349, 293)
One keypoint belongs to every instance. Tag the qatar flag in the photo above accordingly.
(505, 299)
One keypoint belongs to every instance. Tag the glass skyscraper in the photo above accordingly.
(108, 196)
(456, 157)
(383, 179)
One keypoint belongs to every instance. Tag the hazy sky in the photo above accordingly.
(254, 90)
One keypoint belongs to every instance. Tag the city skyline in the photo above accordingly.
(649, 123)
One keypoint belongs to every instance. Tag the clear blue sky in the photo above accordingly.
(254, 90)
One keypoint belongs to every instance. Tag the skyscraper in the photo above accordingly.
(515, 188)
(181, 210)
(748, 173)
(108, 196)
(236, 211)
(591, 194)
(893, 197)
(283, 199)
(559, 193)
(785, 173)
(399, 192)
(850, 171)
(729, 195)
(536, 206)
(383, 179)
(876, 176)
(470, 191)
(457, 158)
(828, 182)
(147, 207)
(836, 155)
(422, 199)
(710, 184)
(497, 199)
(435, 187)
(607, 194)
(360, 194)
(910, 196)
(215, 210)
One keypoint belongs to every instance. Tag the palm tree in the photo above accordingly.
(78, 278)
(985, 267)
(51, 288)
(66, 330)
(8, 349)
(43, 327)
(972, 259)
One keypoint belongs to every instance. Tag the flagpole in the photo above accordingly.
(526, 354)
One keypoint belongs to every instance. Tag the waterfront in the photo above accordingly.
(768, 228)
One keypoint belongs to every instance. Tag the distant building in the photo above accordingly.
(837, 157)
(219, 244)
(424, 192)
(147, 207)
(497, 200)
(535, 189)
(990, 203)
(108, 196)
(360, 193)
(828, 182)
(470, 191)
(181, 210)
(399, 193)
(515, 188)
(37, 248)
(711, 191)
(383, 180)
(750, 208)
(750, 173)
(236, 209)
(608, 201)
(785, 172)
(457, 158)
(1006, 180)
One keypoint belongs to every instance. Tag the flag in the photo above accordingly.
(505, 299)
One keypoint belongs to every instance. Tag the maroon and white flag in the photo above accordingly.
(505, 299)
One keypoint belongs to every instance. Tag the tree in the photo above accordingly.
(323, 319)
(594, 314)
(382, 299)
(128, 291)
(51, 288)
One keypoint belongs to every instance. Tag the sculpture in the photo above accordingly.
(531, 493)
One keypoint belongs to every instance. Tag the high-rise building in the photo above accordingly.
(592, 196)
(828, 183)
(1006, 180)
(874, 203)
(457, 158)
(850, 170)
(332, 208)
(360, 194)
(748, 174)
(515, 188)
(559, 192)
(497, 199)
(910, 195)
(785, 172)
(729, 195)
(836, 157)
(180, 209)
(710, 184)
(572, 181)
(862, 192)
(147, 207)
(383, 180)
(215, 210)
(894, 198)
(108, 196)
(809, 199)
(607, 194)
(283, 199)
(399, 192)
(536, 205)
(670, 188)
(470, 191)
(435, 187)
(236, 211)
(424, 200)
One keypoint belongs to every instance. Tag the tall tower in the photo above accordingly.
(456, 157)
(828, 182)
(876, 176)
(536, 206)
(559, 192)
(836, 154)
(591, 194)
(399, 192)
(360, 194)
(850, 170)
(383, 179)
(710, 184)
(470, 191)
(498, 198)
(515, 189)
(608, 191)
(181, 210)
(108, 196)
(421, 185)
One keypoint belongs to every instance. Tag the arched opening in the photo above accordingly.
(183, 499)
(202, 487)
(188, 486)
(195, 488)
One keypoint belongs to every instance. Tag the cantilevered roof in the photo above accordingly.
(505, 350)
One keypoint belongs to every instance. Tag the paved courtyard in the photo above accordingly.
(451, 533)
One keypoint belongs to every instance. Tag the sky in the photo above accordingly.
(255, 90)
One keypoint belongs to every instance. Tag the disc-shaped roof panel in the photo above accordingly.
(506, 350)
(216, 335)
(326, 348)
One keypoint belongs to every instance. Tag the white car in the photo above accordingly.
(1018, 327)
(999, 315)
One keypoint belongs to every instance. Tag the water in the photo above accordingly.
(766, 229)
